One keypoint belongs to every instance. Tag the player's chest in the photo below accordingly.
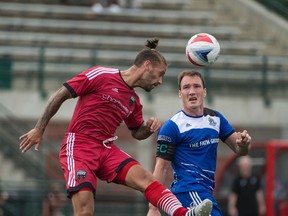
(118, 99)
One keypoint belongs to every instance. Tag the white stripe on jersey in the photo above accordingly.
(203, 176)
(100, 70)
(70, 159)
(186, 164)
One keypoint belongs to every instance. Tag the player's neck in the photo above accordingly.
(131, 76)
(194, 111)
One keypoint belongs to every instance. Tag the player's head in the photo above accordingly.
(245, 166)
(153, 63)
(191, 74)
(192, 91)
(150, 53)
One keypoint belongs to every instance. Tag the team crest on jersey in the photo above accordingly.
(211, 121)
(132, 101)
(81, 175)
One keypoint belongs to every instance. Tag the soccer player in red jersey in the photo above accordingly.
(106, 98)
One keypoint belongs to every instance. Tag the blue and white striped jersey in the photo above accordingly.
(195, 140)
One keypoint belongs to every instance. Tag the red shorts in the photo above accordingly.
(83, 160)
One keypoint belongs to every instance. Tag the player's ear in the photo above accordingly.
(179, 93)
(148, 65)
(204, 92)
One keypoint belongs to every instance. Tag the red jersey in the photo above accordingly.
(104, 102)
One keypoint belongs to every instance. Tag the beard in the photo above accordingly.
(148, 88)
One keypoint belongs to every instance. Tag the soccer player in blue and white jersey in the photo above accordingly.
(188, 142)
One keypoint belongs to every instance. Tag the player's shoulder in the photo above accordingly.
(210, 112)
(100, 71)
(177, 116)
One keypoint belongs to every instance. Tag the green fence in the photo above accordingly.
(279, 6)
(5, 72)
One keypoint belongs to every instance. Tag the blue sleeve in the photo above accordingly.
(226, 128)
(168, 133)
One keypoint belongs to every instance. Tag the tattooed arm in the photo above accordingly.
(34, 136)
(146, 129)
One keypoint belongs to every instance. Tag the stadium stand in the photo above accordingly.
(71, 34)
(71, 37)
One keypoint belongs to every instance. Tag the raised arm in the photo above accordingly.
(34, 136)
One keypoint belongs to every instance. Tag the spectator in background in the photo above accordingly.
(99, 5)
(3, 197)
(246, 197)
(54, 201)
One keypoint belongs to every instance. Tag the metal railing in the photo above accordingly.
(28, 199)
(11, 129)
(262, 78)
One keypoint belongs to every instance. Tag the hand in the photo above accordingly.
(262, 209)
(243, 139)
(232, 211)
(153, 211)
(153, 124)
(243, 142)
(33, 137)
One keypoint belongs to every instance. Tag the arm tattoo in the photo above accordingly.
(141, 133)
(54, 103)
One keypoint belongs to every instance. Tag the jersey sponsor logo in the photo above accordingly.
(81, 175)
(204, 143)
(164, 138)
(118, 104)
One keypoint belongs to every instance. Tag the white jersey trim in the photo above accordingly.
(100, 70)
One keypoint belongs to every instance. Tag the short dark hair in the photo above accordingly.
(150, 53)
(192, 74)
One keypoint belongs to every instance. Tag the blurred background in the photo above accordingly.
(45, 42)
